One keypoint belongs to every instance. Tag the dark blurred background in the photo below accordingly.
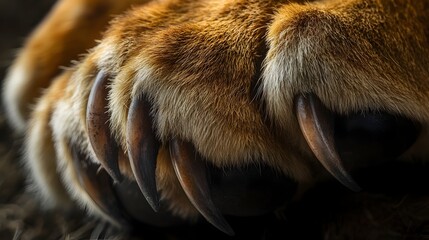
(17, 19)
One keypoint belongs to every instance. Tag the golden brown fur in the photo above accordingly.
(220, 74)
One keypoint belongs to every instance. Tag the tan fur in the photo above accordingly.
(68, 31)
(201, 63)
(355, 55)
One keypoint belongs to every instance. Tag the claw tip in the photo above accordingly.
(153, 201)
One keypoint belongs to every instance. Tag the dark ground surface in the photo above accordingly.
(401, 212)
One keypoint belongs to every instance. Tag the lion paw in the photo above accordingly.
(227, 107)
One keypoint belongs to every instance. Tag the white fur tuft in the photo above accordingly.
(15, 82)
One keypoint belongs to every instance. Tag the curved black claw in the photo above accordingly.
(192, 176)
(98, 185)
(143, 150)
(316, 124)
(102, 142)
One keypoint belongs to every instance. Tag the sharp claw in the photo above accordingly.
(143, 150)
(98, 186)
(192, 176)
(102, 142)
(316, 124)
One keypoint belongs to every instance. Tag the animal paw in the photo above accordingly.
(220, 108)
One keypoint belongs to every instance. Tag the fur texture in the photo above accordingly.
(220, 74)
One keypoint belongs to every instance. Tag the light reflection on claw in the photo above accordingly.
(317, 126)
